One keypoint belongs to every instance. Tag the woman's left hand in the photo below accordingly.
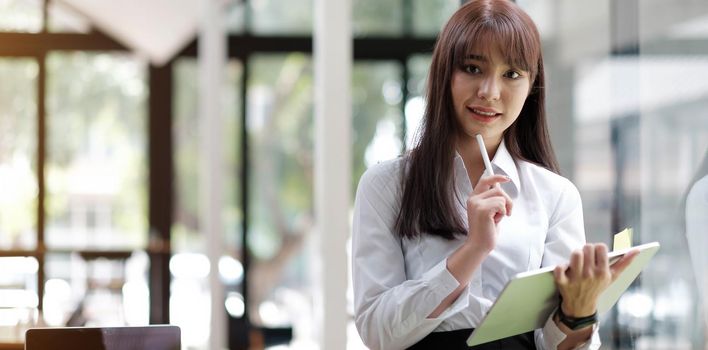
(586, 276)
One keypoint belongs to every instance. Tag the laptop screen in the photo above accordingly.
(104, 338)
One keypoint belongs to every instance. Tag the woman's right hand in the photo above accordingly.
(486, 206)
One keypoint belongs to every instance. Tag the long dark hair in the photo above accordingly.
(428, 200)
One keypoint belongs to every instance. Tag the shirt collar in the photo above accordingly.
(504, 163)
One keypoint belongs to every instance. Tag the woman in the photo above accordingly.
(435, 241)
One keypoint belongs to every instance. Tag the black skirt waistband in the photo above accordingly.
(457, 339)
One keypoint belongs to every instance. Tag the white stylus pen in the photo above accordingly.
(482, 149)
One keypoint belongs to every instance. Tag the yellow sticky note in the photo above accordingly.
(622, 240)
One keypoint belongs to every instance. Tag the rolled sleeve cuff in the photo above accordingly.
(553, 336)
(443, 283)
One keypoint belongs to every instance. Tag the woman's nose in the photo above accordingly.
(489, 89)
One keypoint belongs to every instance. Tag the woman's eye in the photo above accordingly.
(471, 69)
(513, 74)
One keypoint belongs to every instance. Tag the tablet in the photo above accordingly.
(529, 298)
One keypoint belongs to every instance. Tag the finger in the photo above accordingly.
(509, 203)
(492, 192)
(497, 205)
(617, 268)
(488, 207)
(559, 274)
(588, 260)
(492, 208)
(497, 218)
(601, 260)
(576, 264)
(499, 192)
(487, 182)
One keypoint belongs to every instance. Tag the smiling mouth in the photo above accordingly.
(483, 113)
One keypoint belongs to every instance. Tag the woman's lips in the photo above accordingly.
(483, 115)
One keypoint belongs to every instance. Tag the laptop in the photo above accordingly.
(157, 337)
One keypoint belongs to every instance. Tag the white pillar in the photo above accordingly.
(333, 64)
(212, 59)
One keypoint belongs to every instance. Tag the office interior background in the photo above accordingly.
(99, 162)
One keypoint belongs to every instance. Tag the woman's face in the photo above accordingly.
(488, 95)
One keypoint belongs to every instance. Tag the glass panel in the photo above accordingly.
(87, 290)
(21, 16)
(189, 302)
(376, 134)
(672, 166)
(96, 151)
(547, 21)
(632, 134)
(372, 17)
(18, 297)
(376, 98)
(64, 19)
(18, 154)
(418, 67)
(430, 15)
(235, 17)
(283, 17)
(280, 126)
(579, 118)
(185, 230)
(591, 153)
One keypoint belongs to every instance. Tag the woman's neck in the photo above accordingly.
(469, 151)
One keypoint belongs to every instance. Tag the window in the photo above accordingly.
(93, 171)
(73, 161)
(189, 266)
(377, 96)
(96, 188)
(18, 154)
(430, 15)
(280, 17)
(626, 116)
(96, 156)
(21, 16)
(377, 18)
(280, 128)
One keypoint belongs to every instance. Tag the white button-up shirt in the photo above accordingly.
(399, 282)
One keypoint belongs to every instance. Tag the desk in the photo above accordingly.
(12, 346)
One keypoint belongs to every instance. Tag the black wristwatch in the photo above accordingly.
(576, 323)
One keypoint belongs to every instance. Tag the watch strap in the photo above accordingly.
(576, 323)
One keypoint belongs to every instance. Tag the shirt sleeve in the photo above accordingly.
(390, 311)
(550, 336)
(566, 232)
